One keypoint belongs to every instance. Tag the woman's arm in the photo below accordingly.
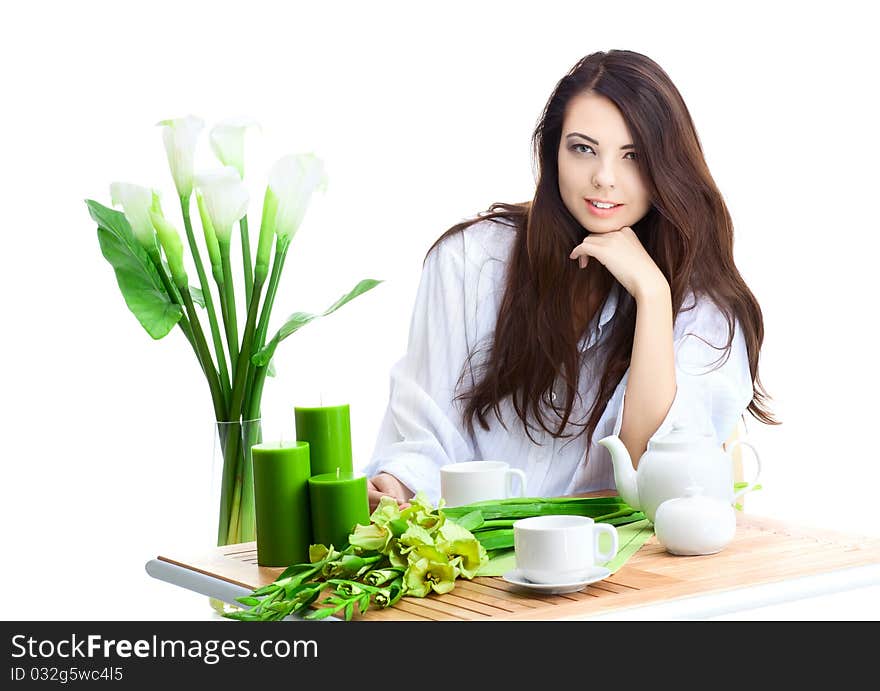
(651, 388)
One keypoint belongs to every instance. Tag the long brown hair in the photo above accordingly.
(688, 233)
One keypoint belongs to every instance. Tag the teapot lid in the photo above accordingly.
(680, 437)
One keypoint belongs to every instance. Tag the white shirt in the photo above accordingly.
(456, 309)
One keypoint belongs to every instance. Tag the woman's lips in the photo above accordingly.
(601, 213)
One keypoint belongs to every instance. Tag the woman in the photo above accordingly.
(541, 327)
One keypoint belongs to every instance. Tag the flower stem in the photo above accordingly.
(228, 299)
(224, 384)
(206, 291)
(246, 259)
(172, 291)
(257, 376)
(205, 355)
(242, 479)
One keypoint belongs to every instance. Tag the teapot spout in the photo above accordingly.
(624, 473)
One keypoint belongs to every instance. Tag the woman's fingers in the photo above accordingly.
(384, 485)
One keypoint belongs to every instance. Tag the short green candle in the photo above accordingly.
(338, 502)
(281, 499)
(327, 429)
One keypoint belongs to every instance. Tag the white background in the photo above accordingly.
(423, 117)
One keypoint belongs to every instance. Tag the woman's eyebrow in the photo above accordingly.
(590, 139)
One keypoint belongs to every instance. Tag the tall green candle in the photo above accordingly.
(327, 429)
(338, 502)
(281, 498)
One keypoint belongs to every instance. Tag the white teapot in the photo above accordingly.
(670, 465)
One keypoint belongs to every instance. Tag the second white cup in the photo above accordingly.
(560, 548)
(471, 481)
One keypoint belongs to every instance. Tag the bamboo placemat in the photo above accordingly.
(763, 551)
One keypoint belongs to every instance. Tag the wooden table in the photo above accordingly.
(769, 561)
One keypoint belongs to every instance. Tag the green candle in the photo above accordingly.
(281, 499)
(327, 429)
(338, 502)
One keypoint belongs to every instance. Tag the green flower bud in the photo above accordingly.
(210, 238)
(171, 244)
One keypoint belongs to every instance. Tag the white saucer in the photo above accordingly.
(597, 574)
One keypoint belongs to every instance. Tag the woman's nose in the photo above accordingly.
(603, 177)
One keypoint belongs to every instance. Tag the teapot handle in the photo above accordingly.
(754, 481)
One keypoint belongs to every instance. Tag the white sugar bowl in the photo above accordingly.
(695, 523)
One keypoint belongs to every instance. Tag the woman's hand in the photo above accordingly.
(387, 485)
(621, 252)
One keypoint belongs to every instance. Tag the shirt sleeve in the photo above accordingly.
(422, 428)
(713, 389)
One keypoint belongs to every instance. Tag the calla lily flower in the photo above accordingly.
(135, 201)
(293, 180)
(180, 136)
(227, 142)
(225, 200)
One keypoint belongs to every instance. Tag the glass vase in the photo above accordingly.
(232, 486)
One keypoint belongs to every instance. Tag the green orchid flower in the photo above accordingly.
(396, 555)
(422, 513)
(422, 551)
(415, 536)
(387, 510)
(370, 537)
(179, 136)
(460, 544)
(227, 142)
(318, 552)
(379, 577)
(425, 575)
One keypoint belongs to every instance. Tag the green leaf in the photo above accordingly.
(136, 276)
(321, 613)
(197, 296)
(270, 370)
(472, 520)
(297, 320)
(501, 561)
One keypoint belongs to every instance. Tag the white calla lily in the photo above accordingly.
(225, 199)
(180, 136)
(135, 201)
(293, 179)
(227, 141)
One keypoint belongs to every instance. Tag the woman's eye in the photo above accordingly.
(576, 147)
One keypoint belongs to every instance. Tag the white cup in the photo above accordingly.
(465, 483)
(560, 549)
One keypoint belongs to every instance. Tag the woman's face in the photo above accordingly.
(597, 161)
